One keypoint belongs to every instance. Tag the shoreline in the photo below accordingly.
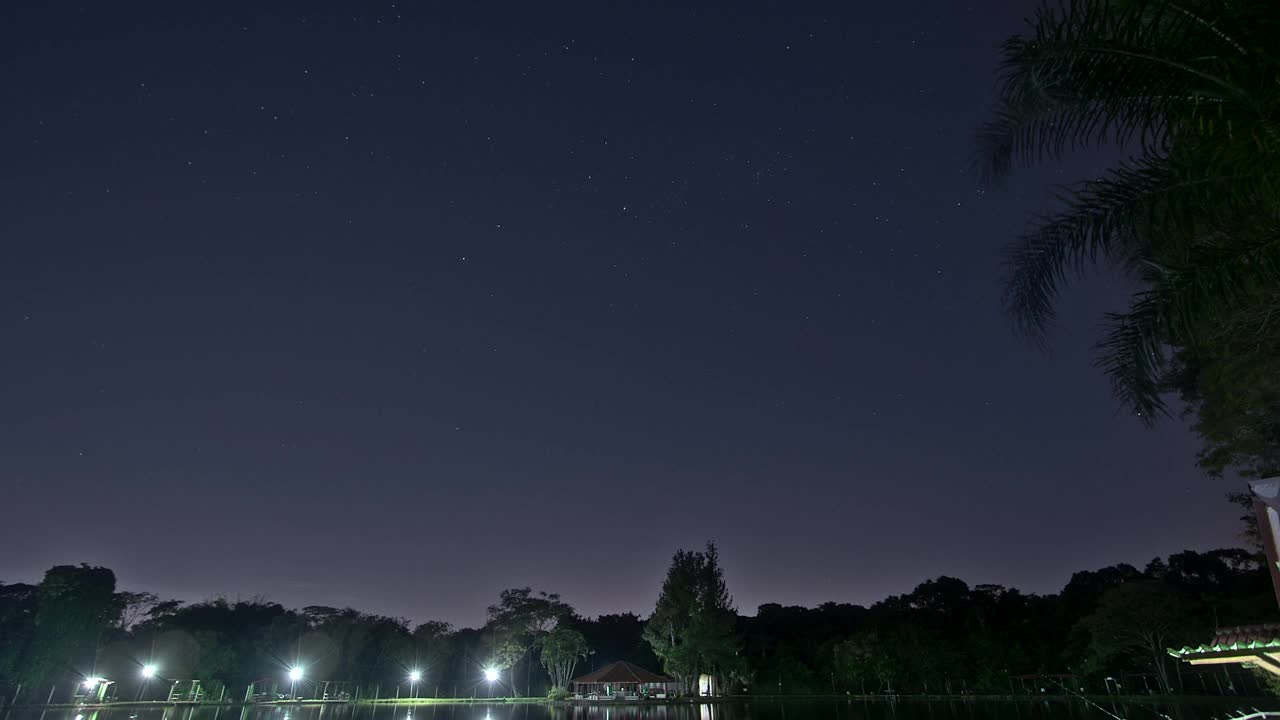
(417, 702)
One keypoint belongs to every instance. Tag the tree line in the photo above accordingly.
(944, 636)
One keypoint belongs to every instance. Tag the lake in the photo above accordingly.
(824, 709)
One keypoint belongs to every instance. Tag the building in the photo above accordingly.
(1254, 645)
(623, 679)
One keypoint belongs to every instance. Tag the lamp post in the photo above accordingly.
(91, 685)
(491, 676)
(295, 674)
(148, 674)
(415, 677)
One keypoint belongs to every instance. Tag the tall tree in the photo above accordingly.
(17, 626)
(668, 629)
(692, 628)
(230, 643)
(863, 659)
(519, 622)
(1141, 620)
(562, 648)
(433, 644)
(75, 605)
(1193, 217)
(135, 607)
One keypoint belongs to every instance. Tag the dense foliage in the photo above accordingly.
(943, 637)
(519, 624)
(562, 648)
(692, 627)
(1192, 215)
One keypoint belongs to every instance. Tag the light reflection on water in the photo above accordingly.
(834, 709)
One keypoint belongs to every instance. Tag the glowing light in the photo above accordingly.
(295, 674)
(148, 671)
(490, 674)
(415, 676)
(92, 682)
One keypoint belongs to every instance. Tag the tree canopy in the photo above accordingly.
(562, 648)
(692, 627)
(519, 622)
(944, 636)
(75, 605)
(1191, 216)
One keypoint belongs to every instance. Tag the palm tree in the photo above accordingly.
(1192, 90)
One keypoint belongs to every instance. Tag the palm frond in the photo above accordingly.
(1219, 279)
(1151, 205)
(1133, 357)
(1181, 303)
(1093, 71)
(1190, 88)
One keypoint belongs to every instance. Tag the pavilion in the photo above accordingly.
(623, 679)
(1256, 645)
(1253, 645)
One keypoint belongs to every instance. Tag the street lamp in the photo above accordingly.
(148, 673)
(415, 677)
(295, 674)
(95, 685)
(490, 676)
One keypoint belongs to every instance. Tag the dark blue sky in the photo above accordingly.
(396, 305)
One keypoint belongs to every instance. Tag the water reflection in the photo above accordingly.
(836, 709)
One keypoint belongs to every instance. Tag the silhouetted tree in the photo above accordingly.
(562, 648)
(692, 628)
(433, 644)
(17, 628)
(617, 637)
(1141, 620)
(943, 636)
(1231, 388)
(1191, 217)
(75, 606)
(135, 607)
(519, 622)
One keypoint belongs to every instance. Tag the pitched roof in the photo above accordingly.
(622, 672)
(1235, 639)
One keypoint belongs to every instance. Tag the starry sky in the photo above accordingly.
(394, 305)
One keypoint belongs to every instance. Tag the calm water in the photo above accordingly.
(755, 710)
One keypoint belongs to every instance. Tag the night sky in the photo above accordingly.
(396, 305)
